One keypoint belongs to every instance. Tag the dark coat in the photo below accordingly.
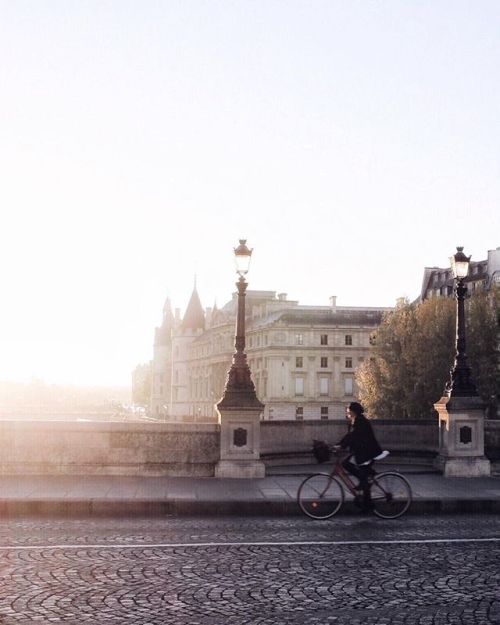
(361, 440)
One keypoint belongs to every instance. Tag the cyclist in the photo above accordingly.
(364, 448)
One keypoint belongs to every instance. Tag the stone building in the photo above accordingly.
(303, 358)
(483, 274)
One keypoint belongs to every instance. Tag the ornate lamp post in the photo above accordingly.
(239, 408)
(460, 383)
(240, 390)
(461, 410)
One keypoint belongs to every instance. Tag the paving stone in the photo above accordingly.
(187, 571)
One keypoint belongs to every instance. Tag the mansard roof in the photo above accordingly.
(194, 317)
(441, 277)
(337, 317)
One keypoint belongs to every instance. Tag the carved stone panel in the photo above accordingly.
(465, 435)
(240, 437)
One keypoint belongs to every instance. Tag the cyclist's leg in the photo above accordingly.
(366, 472)
(352, 468)
(362, 489)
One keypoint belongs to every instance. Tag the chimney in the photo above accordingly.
(282, 297)
(333, 302)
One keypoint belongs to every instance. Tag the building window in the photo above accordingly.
(299, 362)
(324, 362)
(299, 339)
(324, 339)
(271, 413)
(299, 386)
(348, 339)
(324, 412)
(299, 413)
(348, 386)
(323, 386)
(348, 363)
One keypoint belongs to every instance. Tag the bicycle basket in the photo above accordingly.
(321, 451)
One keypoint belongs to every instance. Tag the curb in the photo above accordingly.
(158, 508)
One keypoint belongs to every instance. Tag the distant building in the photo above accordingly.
(141, 384)
(303, 359)
(483, 274)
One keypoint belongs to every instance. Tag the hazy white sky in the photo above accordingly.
(352, 144)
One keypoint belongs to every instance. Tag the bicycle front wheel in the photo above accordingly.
(320, 496)
(391, 495)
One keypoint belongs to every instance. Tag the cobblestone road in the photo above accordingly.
(425, 571)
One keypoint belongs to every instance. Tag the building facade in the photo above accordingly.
(483, 274)
(303, 359)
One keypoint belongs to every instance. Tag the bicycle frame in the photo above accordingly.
(339, 471)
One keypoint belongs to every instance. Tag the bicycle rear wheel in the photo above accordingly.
(391, 495)
(320, 496)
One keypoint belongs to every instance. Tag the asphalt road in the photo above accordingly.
(234, 571)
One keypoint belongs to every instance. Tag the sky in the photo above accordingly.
(352, 143)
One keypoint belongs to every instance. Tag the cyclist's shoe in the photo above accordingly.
(366, 509)
(366, 505)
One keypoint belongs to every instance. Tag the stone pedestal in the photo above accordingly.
(240, 444)
(461, 437)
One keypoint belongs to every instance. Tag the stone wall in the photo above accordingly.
(186, 449)
(90, 448)
(492, 439)
(283, 438)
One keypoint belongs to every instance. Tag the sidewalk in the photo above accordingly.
(274, 495)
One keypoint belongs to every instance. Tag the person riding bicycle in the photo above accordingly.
(364, 448)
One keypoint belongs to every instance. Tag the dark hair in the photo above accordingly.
(357, 408)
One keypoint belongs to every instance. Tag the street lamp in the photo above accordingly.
(460, 383)
(239, 391)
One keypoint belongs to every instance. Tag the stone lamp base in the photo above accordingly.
(240, 444)
(461, 438)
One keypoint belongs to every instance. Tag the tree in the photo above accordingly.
(413, 352)
(482, 345)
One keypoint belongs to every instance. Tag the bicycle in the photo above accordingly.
(321, 495)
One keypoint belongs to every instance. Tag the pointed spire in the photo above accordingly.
(194, 317)
(168, 316)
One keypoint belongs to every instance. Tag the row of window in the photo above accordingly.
(299, 362)
(323, 339)
(324, 386)
(225, 343)
(254, 341)
(299, 413)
